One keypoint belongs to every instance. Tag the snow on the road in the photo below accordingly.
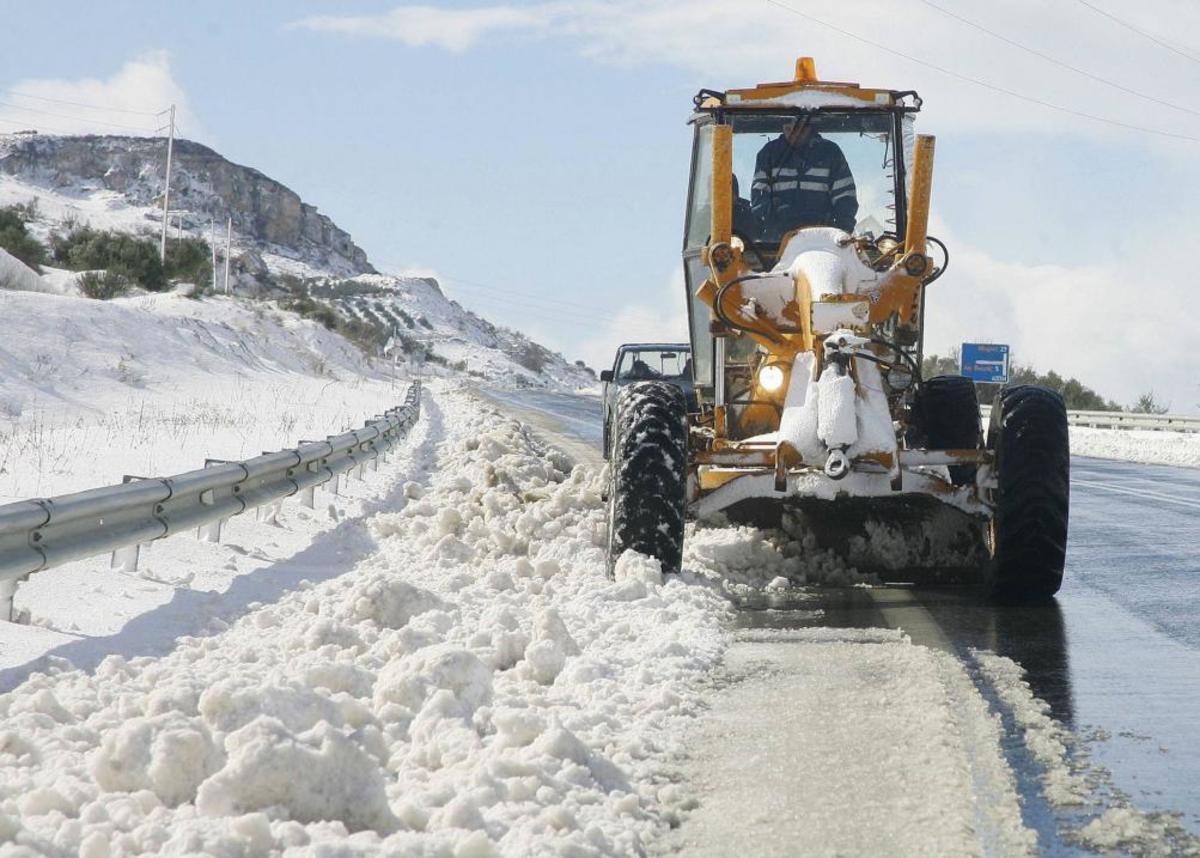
(1069, 780)
(849, 742)
(1146, 446)
(474, 686)
(437, 664)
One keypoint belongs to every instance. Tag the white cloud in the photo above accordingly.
(418, 26)
(125, 103)
(740, 43)
(1121, 329)
(662, 321)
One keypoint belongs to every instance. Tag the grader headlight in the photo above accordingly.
(771, 377)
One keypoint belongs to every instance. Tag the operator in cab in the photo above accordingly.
(801, 179)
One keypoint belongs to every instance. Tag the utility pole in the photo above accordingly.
(212, 245)
(162, 247)
(228, 245)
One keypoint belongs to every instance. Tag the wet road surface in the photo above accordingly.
(1116, 655)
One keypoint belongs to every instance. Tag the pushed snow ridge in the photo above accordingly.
(476, 685)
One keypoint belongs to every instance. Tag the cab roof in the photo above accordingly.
(806, 91)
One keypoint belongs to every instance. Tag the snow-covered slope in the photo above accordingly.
(151, 385)
(117, 182)
(419, 313)
(280, 245)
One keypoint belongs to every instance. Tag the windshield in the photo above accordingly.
(815, 169)
(653, 363)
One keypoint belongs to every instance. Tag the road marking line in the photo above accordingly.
(1137, 493)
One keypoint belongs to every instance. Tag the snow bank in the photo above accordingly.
(1138, 445)
(16, 275)
(152, 385)
(474, 686)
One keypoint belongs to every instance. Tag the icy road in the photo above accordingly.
(434, 663)
(1101, 739)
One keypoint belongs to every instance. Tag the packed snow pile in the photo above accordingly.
(1146, 446)
(15, 274)
(476, 686)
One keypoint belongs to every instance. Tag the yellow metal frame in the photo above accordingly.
(898, 294)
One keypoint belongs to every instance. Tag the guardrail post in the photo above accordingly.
(308, 497)
(8, 589)
(126, 559)
(211, 532)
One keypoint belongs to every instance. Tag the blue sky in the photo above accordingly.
(534, 155)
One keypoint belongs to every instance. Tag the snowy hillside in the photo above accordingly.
(117, 182)
(281, 246)
(418, 312)
(151, 385)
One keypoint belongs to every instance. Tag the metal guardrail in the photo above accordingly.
(38, 534)
(1124, 420)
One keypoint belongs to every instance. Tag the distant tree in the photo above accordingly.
(1147, 403)
(1075, 393)
(15, 238)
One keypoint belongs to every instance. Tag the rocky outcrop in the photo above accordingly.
(264, 211)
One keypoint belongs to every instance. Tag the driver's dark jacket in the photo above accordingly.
(807, 185)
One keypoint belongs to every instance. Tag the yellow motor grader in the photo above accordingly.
(807, 263)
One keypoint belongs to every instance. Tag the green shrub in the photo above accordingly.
(307, 308)
(189, 260)
(15, 238)
(87, 249)
(103, 285)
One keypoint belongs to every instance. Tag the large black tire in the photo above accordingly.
(648, 473)
(1028, 433)
(945, 416)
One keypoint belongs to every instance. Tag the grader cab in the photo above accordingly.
(807, 262)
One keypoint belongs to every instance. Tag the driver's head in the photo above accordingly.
(797, 131)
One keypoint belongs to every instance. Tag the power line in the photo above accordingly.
(41, 126)
(492, 290)
(86, 105)
(977, 82)
(1143, 33)
(23, 109)
(1050, 59)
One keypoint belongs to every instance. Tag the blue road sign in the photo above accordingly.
(984, 362)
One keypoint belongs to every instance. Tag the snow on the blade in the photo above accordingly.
(475, 686)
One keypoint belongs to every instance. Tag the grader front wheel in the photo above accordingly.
(648, 474)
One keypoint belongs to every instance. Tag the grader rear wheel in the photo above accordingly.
(1028, 434)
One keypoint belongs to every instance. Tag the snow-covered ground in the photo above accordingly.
(151, 385)
(470, 683)
(1146, 446)
(435, 663)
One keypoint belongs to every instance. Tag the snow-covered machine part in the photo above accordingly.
(806, 304)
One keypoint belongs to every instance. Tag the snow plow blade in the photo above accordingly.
(912, 539)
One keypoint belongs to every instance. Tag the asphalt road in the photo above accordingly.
(1116, 656)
